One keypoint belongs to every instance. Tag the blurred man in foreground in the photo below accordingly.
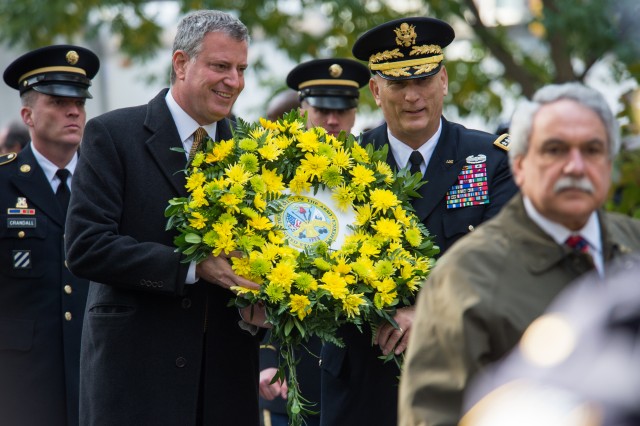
(489, 287)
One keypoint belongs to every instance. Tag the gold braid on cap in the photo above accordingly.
(426, 49)
(383, 56)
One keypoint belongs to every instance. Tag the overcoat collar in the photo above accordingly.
(164, 137)
(31, 181)
(543, 252)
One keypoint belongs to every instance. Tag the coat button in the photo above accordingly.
(180, 362)
(68, 289)
(186, 303)
(67, 316)
(471, 228)
(21, 234)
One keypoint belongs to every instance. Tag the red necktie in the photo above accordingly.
(577, 243)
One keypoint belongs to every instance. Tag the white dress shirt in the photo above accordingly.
(402, 151)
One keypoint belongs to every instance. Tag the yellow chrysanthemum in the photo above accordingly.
(249, 162)
(341, 266)
(230, 202)
(388, 228)
(259, 203)
(332, 176)
(267, 124)
(197, 220)
(197, 159)
(276, 237)
(360, 154)
(306, 283)
(351, 304)
(195, 180)
(260, 223)
(272, 180)
(220, 151)
(308, 141)
(334, 284)
(300, 183)
(270, 152)
(384, 169)
(384, 268)
(299, 305)
(401, 216)
(248, 144)
(236, 174)
(363, 214)
(314, 165)
(241, 266)
(198, 198)
(344, 196)
(383, 199)
(282, 141)
(342, 159)
(283, 273)
(369, 248)
(275, 292)
(413, 237)
(383, 300)
(362, 176)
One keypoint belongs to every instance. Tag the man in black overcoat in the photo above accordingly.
(160, 344)
(41, 302)
(467, 182)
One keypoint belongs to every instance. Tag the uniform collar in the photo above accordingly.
(402, 151)
(50, 169)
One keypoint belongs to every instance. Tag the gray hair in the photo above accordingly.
(196, 25)
(522, 121)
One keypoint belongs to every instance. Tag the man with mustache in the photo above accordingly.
(489, 287)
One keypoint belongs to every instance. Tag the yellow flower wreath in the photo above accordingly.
(239, 187)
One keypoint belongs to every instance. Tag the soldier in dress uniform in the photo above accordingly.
(41, 302)
(329, 91)
(467, 182)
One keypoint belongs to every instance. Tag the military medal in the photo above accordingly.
(471, 188)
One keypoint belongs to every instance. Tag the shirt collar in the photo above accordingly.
(50, 169)
(402, 151)
(590, 232)
(185, 124)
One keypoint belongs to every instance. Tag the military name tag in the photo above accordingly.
(27, 222)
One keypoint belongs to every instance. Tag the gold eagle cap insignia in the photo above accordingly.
(405, 35)
(335, 70)
(72, 57)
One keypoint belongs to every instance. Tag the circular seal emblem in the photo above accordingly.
(306, 221)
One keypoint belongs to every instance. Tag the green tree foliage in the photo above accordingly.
(561, 40)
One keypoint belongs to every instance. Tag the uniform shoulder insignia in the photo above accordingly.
(7, 158)
(503, 142)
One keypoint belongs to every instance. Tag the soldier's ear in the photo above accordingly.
(375, 90)
(27, 115)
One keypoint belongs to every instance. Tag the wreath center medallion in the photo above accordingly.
(307, 221)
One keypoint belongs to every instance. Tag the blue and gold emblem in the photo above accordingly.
(307, 221)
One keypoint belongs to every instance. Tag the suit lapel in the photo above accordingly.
(31, 181)
(164, 137)
(442, 173)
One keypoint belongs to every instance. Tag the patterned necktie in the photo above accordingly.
(578, 244)
(198, 138)
(62, 193)
(416, 160)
